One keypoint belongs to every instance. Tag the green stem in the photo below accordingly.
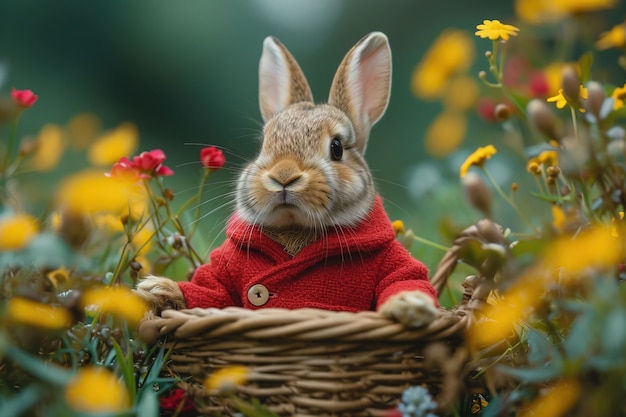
(509, 200)
(12, 140)
(198, 200)
(574, 123)
(430, 243)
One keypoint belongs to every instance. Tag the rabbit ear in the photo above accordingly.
(281, 81)
(362, 84)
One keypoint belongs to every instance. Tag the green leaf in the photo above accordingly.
(540, 348)
(49, 373)
(613, 334)
(21, 401)
(127, 369)
(585, 62)
(538, 374)
(148, 405)
(581, 338)
(552, 198)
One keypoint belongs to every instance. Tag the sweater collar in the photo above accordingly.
(371, 234)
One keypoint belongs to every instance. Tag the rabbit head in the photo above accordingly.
(310, 172)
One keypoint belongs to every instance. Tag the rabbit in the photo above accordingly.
(309, 229)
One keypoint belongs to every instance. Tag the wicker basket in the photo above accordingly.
(311, 362)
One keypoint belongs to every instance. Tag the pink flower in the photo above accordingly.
(23, 98)
(150, 164)
(212, 158)
(124, 169)
(145, 166)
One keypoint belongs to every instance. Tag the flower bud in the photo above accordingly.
(571, 85)
(28, 147)
(543, 119)
(553, 172)
(168, 193)
(502, 112)
(595, 94)
(75, 228)
(478, 193)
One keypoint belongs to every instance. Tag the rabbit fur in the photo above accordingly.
(310, 177)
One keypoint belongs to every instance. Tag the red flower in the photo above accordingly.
(393, 413)
(123, 169)
(145, 166)
(212, 158)
(538, 84)
(151, 164)
(173, 400)
(23, 98)
(487, 108)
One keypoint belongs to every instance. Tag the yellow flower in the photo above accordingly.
(142, 239)
(33, 313)
(558, 217)
(566, 259)
(545, 159)
(90, 191)
(96, 390)
(82, 129)
(614, 38)
(533, 167)
(227, 379)
(118, 301)
(17, 231)
(445, 134)
(595, 248)
(58, 276)
(111, 146)
(618, 96)
(398, 227)
(614, 227)
(478, 158)
(495, 30)
(555, 401)
(462, 93)
(110, 222)
(501, 318)
(554, 75)
(50, 146)
(451, 53)
(539, 11)
(561, 101)
(548, 158)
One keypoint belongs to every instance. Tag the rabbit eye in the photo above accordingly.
(336, 149)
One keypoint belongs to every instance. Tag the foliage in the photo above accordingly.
(68, 263)
(551, 337)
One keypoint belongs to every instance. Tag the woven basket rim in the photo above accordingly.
(310, 324)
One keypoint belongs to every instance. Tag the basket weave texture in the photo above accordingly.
(310, 362)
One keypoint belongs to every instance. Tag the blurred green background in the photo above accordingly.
(185, 72)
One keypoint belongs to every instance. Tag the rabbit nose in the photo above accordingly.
(284, 174)
(285, 181)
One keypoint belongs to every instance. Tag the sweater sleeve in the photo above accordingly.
(400, 272)
(209, 284)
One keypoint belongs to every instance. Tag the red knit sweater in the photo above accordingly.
(349, 269)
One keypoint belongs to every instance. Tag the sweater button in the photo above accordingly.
(258, 295)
